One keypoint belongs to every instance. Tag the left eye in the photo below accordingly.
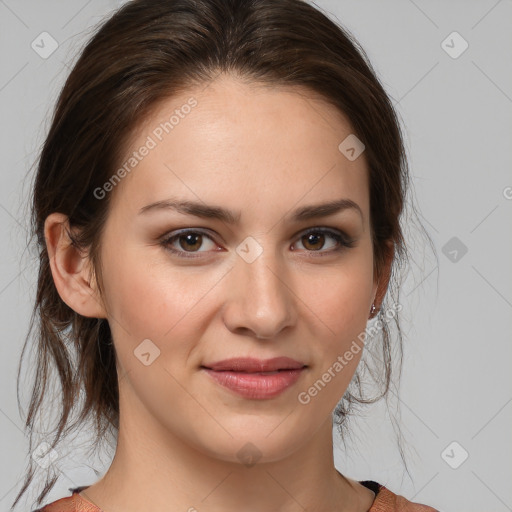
(315, 239)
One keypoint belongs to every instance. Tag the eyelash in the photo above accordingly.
(343, 241)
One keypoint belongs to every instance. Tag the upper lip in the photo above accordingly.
(249, 364)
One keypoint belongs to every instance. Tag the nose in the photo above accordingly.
(261, 299)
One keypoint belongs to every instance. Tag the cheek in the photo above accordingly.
(149, 294)
(339, 301)
(156, 300)
(340, 297)
(341, 316)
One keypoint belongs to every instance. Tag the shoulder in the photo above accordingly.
(388, 501)
(71, 503)
(66, 504)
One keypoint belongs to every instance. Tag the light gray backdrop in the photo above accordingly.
(456, 104)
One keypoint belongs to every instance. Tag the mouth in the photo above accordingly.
(256, 379)
(251, 365)
(254, 372)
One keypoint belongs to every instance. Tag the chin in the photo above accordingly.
(255, 442)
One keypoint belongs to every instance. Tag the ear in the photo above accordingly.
(71, 269)
(381, 282)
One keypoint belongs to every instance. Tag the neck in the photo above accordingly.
(152, 464)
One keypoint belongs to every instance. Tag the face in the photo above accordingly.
(246, 269)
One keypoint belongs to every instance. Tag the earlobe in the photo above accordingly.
(70, 269)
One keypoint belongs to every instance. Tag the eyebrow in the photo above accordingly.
(216, 212)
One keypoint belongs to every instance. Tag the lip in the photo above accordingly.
(248, 377)
(249, 364)
(256, 385)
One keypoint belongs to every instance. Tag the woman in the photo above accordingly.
(217, 206)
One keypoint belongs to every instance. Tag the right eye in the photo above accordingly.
(187, 241)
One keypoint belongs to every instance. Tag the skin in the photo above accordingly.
(241, 147)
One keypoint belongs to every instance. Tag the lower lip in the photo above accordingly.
(256, 386)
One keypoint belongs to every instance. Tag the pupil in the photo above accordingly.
(313, 239)
(193, 241)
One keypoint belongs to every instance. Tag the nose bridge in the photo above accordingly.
(265, 278)
(262, 301)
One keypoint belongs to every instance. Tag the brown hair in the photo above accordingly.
(148, 51)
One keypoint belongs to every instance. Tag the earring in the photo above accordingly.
(372, 309)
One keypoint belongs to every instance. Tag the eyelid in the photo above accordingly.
(167, 239)
(344, 241)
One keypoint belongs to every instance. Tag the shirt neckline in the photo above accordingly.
(370, 484)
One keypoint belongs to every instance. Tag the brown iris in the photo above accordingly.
(312, 240)
(193, 241)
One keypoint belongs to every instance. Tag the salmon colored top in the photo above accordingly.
(385, 501)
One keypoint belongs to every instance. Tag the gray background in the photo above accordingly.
(456, 383)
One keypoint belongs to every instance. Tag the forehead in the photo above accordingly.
(242, 143)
